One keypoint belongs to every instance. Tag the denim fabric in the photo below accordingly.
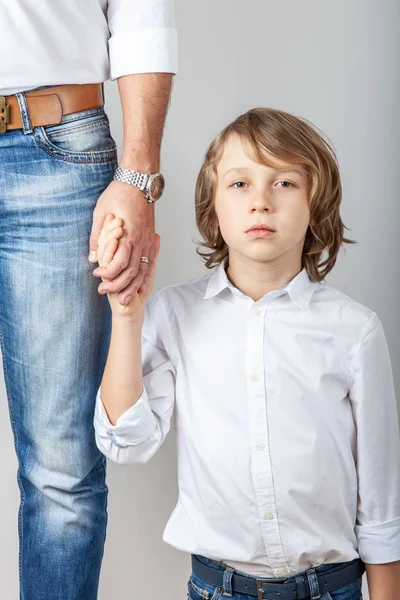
(199, 590)
(54, 330)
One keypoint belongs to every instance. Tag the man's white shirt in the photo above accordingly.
(47, 42)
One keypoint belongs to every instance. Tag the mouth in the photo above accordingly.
(260, 231)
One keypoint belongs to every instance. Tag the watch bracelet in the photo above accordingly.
(132, 177)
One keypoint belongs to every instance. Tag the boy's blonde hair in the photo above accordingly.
(292, 140)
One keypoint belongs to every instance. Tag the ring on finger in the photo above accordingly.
(144, 259)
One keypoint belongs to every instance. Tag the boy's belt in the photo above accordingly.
(285, 589)
(47, 106)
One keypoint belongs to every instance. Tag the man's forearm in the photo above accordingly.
(144, 100)
(384, 581)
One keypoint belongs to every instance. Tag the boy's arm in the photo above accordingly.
(131, 421)
(373, 402)
(137, 433)
(384, 581)
(122, 383)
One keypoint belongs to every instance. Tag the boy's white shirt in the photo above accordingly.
(286, 423)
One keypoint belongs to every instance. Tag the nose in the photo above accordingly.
(260, 201)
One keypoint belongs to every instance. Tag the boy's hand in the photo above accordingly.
(108, 240)
(111, 232)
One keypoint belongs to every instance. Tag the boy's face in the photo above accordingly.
(250, 194)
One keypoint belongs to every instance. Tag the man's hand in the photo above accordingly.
(110, 237)
(125, 274)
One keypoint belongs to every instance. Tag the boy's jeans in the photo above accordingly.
(55, 330)
(199, 590)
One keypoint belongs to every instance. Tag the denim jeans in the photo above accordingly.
(199, 590)
(54, 331)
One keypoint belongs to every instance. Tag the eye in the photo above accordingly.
(285, 184)
(238, 185)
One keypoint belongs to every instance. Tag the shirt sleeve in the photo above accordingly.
(141, 430)
(378, 449)
(143, 38)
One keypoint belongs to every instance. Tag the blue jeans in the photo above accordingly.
(199, 590)
(54, 331)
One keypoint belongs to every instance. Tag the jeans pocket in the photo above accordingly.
(83, 137)
(198, 590)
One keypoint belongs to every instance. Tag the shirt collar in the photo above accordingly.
(300, 288)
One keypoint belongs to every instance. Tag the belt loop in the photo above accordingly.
(314, 585)
(23, 107)
(228, 574)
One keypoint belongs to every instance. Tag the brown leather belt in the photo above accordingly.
(47, 106)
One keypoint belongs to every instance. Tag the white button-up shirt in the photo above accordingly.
(53, 42)
(286, 423)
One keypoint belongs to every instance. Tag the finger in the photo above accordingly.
(132, 288)
(104, 239)
(134, 269)
(97, 224)
(109, 227)
(127, 294)
(93, 241)
(157, 244)
(119, 263)
(109, 252)
(148, 280)
(151, 266)
(145, 288)
(133, 284)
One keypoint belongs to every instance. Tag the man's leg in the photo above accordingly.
(55, 331)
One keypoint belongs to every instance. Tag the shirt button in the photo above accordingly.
(260, 446)
(255, 377)
(283, 571)
(256, 312)
(268, 515)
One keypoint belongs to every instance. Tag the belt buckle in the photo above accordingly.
(4, 114)
(259, 583)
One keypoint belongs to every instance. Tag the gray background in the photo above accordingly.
(335, 64)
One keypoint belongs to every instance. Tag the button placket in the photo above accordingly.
(261, 459)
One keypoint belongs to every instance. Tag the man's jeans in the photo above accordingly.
(199, 590)
(55, 331)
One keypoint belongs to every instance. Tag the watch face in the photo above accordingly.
(156, 186)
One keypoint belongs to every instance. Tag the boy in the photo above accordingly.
(286, 420)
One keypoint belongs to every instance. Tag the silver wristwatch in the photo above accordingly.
(151, 185)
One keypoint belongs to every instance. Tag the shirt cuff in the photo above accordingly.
(144, 51)
(379, 543)
(133, 427)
